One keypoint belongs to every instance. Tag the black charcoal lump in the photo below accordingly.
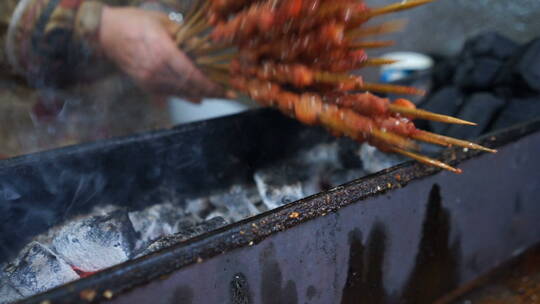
(521, 72)
(493, 81)
(528, 66)
(490, 44)
(517, 111)
(446, 101)
(479, 108)
(477, 73)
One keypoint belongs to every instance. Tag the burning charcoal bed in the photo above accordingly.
(255, 208)
(110, 235)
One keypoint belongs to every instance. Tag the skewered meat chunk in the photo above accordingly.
(302, 57)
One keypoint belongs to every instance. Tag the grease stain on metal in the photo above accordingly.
(182, 295)
(435, 271)
(239, 288)
(311, 292)
(365, 275)
(273, 291)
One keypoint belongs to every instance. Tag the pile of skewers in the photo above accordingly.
(299, 57)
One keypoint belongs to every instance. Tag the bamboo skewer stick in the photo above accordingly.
(396, 7)
(328, 77)
(383, 28)
(378, 62)
(390, 88)
(395, 140)
(448, 141)
(371, 44)
(215, 59)
(426, 160)
(195, 43)
(191, 22)
(423, 114)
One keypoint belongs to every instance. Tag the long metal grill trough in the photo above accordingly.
(191, 195)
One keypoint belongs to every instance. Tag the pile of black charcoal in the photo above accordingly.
(494, 82)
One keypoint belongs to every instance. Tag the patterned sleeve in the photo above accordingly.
(53, 42)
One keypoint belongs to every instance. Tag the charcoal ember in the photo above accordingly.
(490, 44)
(156, 221)
(327, 175)
(327, 153)
(320, 178)
(518, 110)
(319, 163)
(94, 243)
(479, 108)
(446, 101)
(236, 204)
(185, 233)
(39, 269)
(477, 73)
(311, 171)
(8, 293)
(47, 237)
(199, 208)
(220, 212)
(374, 160)
(280, 185)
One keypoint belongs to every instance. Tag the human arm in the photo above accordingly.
(56, 43)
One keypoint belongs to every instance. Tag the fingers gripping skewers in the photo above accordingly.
(298, 56)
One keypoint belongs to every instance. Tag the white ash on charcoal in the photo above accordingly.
(375, 160)
(327, 153)
(47, 237)
(331, 165)
(8, 293)
(294, 179)
(281, 185)
(310, 172)
(236, 204)
(38, 269)
(97, 242)
(199, 208)
(157, 221)
(185, 233)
